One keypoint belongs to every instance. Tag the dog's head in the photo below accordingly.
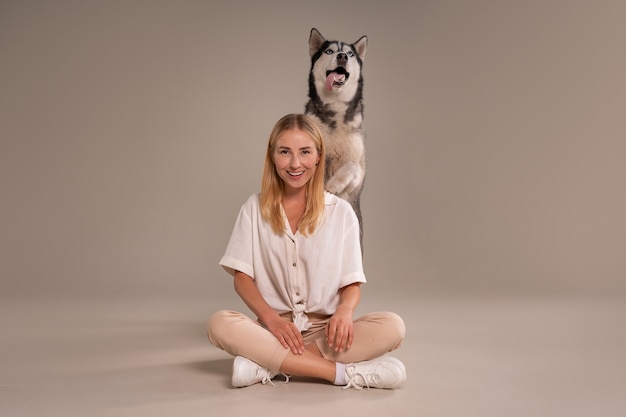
(336, 66)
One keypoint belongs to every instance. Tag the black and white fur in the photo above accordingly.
(336, 105)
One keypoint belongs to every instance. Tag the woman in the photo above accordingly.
(295, 257)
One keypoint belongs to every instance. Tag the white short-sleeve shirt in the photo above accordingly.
(293, 272)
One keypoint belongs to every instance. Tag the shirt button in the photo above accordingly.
(294, 264)
(298, 294)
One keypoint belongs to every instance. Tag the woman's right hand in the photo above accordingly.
(285, 331)
(287, 334)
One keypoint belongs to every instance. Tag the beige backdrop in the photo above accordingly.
(131, 132)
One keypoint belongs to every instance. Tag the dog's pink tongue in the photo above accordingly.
(332, 77)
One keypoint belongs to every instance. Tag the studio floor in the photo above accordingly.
(466, 356)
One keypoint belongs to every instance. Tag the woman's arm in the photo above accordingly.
(339, 332)
(286, 332)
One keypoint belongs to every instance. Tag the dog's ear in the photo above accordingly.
(316, 40)
(360, 46)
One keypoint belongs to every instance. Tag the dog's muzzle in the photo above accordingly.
(336, 77)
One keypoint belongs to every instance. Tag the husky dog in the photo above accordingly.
(336, 105)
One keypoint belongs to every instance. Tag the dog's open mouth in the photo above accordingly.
(336, 77)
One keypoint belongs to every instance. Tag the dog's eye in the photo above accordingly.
(350, 54)
(329, 51)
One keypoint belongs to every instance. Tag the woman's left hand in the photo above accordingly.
(339, 330)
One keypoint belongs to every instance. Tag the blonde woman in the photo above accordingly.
(295, 258)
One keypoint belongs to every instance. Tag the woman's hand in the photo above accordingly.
(285, 331)
(340, 327)
(287, 334)
(339, 330)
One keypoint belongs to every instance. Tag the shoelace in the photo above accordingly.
(366, 376)
(266, 376)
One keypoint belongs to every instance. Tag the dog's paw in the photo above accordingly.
(334, 187)
(347, 179)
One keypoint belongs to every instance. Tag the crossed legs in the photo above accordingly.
(374, 335)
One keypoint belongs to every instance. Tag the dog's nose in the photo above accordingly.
(342, 58)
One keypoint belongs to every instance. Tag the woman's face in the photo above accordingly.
(295, 157)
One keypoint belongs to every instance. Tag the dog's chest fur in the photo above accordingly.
(344, 140)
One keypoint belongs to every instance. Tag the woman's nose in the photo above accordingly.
(294, 161)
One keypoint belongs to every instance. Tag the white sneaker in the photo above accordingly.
(385, 372)
(247, 372)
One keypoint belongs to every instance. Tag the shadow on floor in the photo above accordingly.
(222, 368)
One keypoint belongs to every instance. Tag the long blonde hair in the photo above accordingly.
(272, 186)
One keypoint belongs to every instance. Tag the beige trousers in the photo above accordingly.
(374, 335)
